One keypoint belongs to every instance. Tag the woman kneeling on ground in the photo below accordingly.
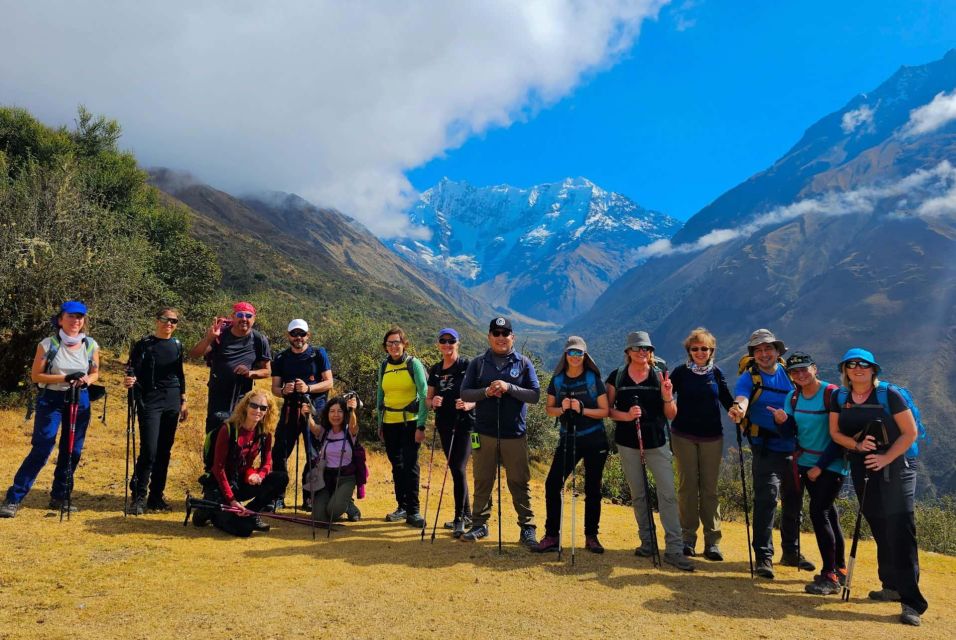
(344, 464)
(577, 397)
(697, 441)
(806, 411)
(242, 466)
(874, 423)
(64, 366)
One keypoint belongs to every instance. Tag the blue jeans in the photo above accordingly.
(50, 412)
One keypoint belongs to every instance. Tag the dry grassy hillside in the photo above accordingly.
(103, 575)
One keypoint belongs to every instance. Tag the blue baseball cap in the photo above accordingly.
(449, 332)
(857, 353)
(73, 306)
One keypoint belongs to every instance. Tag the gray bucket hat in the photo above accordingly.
(638, 339)
(765, 336)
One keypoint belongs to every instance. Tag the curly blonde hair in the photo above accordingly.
(268, 421)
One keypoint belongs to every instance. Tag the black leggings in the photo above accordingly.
(273, 486)
(457, 458)
(593, 449)
(158, 413)
(288, 430)
(402, 451)
(825, 518)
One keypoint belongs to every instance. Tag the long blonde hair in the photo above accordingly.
(268, 422)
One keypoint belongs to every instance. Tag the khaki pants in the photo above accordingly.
(658, 466)
(698, 465)
(514, 459)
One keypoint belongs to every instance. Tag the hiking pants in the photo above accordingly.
(273, 486)
(888, 510)
(592, 448)
(158, 418)
(659, 466)
(288, 431)
(514, 459)
(50, 412)
(402, 451)
(825, 517)
(698, 467)
(222, 398)
(457, 458)
(333, 500)
(775, 477)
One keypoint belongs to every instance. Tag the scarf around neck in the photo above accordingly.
(71, 342)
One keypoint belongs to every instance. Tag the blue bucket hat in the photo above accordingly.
(856, 353)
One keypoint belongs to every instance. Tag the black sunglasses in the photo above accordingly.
(696, 349)
(447, 341)
(298, 333)
(173, 321)
(501, 334)
(260, 407)
(853, 364)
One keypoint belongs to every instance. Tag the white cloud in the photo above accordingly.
(940, 111)
(331, 100)
(683, 15)
(935, 188)
(857, 117)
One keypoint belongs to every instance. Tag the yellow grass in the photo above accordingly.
(101, 575)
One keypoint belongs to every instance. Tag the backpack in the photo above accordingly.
(882, 396)
(658, 365)
(412, 407)
(148, 341)
(747, 364)
(827, 399)
(55, 348)
(591, 380)
(258, 341)
(209, 448)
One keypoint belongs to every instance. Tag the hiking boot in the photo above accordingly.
(796, 560)
(459, 527)
(415, 520)
(9, 509)
(764, 568)
(57, 504)
(592, 544)
(396, 516)
(158, 504)
(689, 551)
(644, 551)
(201, 518)
(352, 513)
(885, 595)
(259, 525)
(528, 537)
(823, 585)
(466, 521)
(679, 560)
(712, 553)
(279, 503)
(841, 575)
(909, 616)
(137, 507)
(306, 505)
(547, 544)
(477, 532)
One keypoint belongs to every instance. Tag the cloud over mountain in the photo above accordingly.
(332, 100)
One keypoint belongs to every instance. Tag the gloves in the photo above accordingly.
(73, 377)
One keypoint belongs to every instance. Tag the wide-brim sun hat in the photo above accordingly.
(765, 336)
(637, 339)
(857, 353)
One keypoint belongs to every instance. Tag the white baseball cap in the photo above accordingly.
(298, 323)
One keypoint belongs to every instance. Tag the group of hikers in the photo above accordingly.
(804, 433)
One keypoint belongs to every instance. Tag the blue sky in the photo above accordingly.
(712, 92)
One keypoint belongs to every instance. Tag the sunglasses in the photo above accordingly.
(645, 349)
(243, 315)
(298, 333)
(697, 349)
(393, 343)
(447, 341)
(575, 353)
(173, 321)
(501, 334)
(259, 407)
(853, 364)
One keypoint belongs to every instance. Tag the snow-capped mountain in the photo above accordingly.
(546, 252)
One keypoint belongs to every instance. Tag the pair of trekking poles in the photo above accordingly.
(441, 493)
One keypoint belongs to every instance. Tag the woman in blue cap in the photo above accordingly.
(65, 364)
(454, 419)
(873, 421)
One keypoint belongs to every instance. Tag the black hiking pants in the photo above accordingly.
(457, 457)
(402, 451)
(775, 478)
(825, 518)
(593, 449)
(158, 412)
(262, 495)
(288, 431)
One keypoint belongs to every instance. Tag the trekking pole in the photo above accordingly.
(564, 475)
(652, 526)
(798, 485)
(746, 501)
(338, 473)
(441, 494)
(298, 436)
(574, 497)
(130, 420)
(74, 407)
(428, 484)
(498, 463)
(845, 595)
